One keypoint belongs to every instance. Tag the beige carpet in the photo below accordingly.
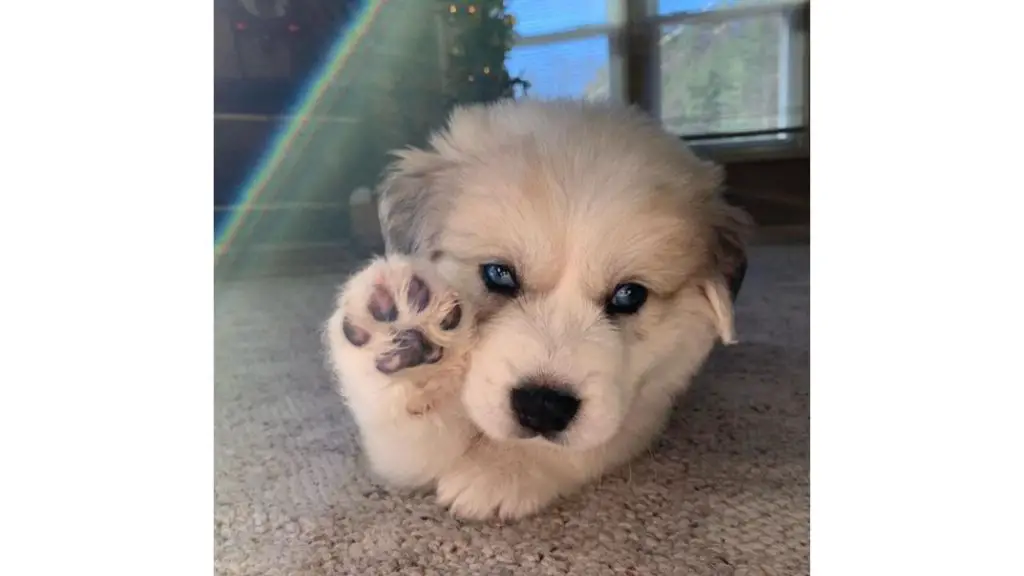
(726, 491)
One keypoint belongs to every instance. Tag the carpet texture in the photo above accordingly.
(724, 492)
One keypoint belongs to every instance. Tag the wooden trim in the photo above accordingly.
(643, 57)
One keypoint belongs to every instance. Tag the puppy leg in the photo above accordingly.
(515, 479)
(507, 480)
(397, 344)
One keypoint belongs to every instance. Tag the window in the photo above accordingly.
(571, 68)
(726, 69)
(535, 17)
(731, 68)
(563, 48)
(723, 77)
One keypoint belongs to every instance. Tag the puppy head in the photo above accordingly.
(596, 248)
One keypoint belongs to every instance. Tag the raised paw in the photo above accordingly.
(402, 313)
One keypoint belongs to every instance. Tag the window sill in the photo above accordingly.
(756, 149)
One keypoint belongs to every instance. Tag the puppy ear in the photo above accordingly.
(721, 309)
(411, 204)
(731, 227)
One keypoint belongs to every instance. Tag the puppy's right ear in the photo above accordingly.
(411, 204)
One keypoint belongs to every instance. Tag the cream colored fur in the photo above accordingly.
(579, 198)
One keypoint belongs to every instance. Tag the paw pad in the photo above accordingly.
(418, 294)
(452, 319)
(412, 348)
(355, 335)
(382, 305)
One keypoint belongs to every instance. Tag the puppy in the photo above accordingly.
(557, 271)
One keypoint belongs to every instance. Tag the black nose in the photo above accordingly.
(542, 408)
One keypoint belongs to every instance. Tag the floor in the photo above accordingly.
(724, 492)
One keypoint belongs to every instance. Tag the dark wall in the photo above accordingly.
(775, 192)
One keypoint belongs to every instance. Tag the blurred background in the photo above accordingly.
(311, 95)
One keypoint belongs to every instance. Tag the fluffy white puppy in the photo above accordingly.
(557, 272)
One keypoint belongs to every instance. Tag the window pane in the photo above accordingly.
(726, 77)
(670, 6)
(577, 68)
(546, 16)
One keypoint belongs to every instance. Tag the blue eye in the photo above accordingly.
(627, 299)
(500, 279)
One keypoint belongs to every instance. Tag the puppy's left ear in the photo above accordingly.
(721, 309)
(731, 228)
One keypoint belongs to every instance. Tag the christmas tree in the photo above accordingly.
(478, 36)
